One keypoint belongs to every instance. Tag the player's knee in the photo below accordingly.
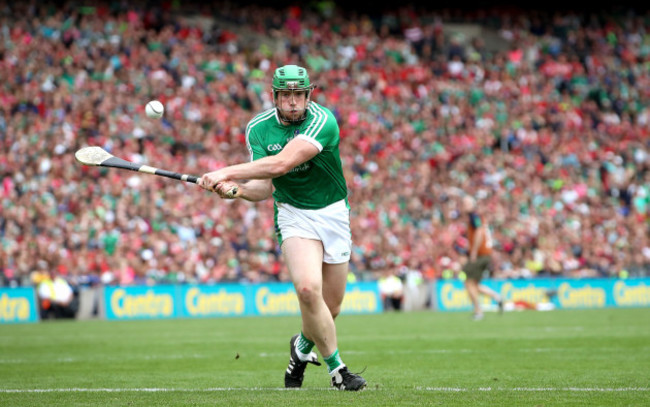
(308, 293)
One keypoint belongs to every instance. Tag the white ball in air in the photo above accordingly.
(154, 109)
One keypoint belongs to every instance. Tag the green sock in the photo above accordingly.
(304, 345)
(333, 361)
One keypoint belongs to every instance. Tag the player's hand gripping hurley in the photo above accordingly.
(99, 157)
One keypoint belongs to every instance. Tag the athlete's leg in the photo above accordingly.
(484, 262)
(471, 286)
(335, 277)
(334, 280)
(304, 259)
(489, 292)
(492, 294)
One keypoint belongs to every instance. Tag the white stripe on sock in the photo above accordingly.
(302, 356)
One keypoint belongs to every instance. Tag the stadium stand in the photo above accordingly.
(544, 117)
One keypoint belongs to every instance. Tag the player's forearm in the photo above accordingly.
(264, 168)
(256, 190)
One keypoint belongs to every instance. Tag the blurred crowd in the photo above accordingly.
(550, 134)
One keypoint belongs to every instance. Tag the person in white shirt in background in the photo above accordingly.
(55, 295)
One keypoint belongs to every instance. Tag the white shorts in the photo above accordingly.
(330, 225)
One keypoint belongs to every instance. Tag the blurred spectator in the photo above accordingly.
(56, 297)
(391, 290)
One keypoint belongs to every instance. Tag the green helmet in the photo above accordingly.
(291, 78)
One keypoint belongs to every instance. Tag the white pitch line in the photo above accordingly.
(584, 389)
(538, 389)
(234, 389)
(152, 390)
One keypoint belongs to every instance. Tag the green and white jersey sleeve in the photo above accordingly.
(316, 183)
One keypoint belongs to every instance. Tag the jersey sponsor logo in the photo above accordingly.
(274, 147)
(300, 168)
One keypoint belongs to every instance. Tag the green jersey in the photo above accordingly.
(316, 183)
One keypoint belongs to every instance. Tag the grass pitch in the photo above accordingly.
(559, 358)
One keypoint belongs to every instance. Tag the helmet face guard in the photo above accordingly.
(291, 78)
